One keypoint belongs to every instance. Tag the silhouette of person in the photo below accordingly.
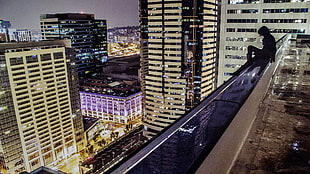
(269, 47)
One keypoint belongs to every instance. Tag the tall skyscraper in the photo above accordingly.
(178, 57)
(240, 20)
(88, 37)
(36, 123)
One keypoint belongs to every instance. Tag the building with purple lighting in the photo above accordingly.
(111, 99)
(111, 108)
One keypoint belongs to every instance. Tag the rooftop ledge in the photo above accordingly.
(239, 117)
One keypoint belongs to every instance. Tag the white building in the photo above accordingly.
(20, 35)
(36, 125)
(240, 20)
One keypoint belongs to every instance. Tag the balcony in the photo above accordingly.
(252, 123)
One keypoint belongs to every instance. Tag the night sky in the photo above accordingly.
(25, 14)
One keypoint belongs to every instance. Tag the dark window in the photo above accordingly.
(242, 20)
(45, 57)
(242, 1)
(288, 10)
(58, 55)
(32, 59)
(16, 61)
(284, 21)
(277, 1)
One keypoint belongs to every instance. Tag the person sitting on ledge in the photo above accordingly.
(269, 47)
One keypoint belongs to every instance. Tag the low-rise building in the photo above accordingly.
(119, 102)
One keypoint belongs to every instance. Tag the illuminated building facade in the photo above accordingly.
(36, 122)
(240, 20)
(114, 100)
(178, 67)
(4, 30)
(111, 108)
(20, 35)
(88, 37)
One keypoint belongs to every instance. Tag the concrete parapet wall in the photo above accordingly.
(223, 155)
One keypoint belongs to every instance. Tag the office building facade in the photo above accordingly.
(113, 100)
(178, 58)
(241, 19)
(36, 123)
(88, 37)
(20, 35)
(112, 108)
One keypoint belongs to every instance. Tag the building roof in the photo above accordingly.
(74, 16)
(279, 141)
(45, 170)
(44, 43)
(112, 87)
(89, 122)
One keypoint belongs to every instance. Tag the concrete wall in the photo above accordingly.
(221, 158)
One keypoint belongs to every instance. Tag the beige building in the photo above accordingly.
(240, 20)
(178, 56)
(36, 122)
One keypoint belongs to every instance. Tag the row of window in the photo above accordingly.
(284, 20)
(241, 30)
(239, 11)
(265, 1)
(235, 57)
(242, 20)
(232, 65)
(254, 30)
(267, 20)
(288, 31)
(288, 10)
(284, 1)
(34, 58)
(242, 1)
(240, 39)
(236, 48)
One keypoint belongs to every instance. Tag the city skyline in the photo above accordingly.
(117, 12)
(173, 93)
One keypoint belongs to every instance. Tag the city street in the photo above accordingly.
(116, 151)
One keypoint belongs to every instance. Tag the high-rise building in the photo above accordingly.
(240, 20)
(178, 57)
(37, 105)
(88, 37)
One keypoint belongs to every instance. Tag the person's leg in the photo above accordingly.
(257, 53)
(252, 49)
(250, 52)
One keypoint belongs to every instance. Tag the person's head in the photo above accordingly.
(263, 31)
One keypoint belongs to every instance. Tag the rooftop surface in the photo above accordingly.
(44, 43)
(45, 170)
(279, 140)
(115, 87)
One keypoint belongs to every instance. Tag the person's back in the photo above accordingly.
(269, 43)
(269, 46)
